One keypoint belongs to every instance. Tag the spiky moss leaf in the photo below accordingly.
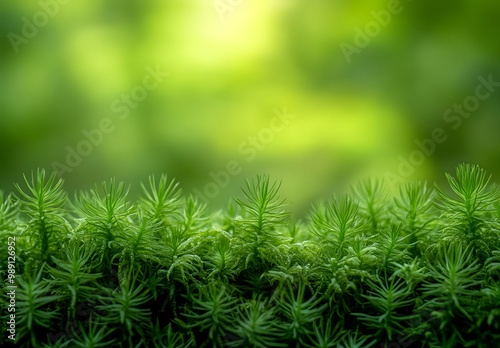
(161, 201)
(8, 233)
(493, 264)
(412, 273)
(180, 257)
(387, 308)
(259, 239)
(347, 254)
(33, 305)
(168, 337)
(221, 261)
(335, 223)
(374, 204)
(393, 247)
(93, 336)
(452, 290)
(326, 334)
(413, 210)
(341, 279)
(193, 216)
(467, 215)
(356, 340)
(8, 213)
(43, 202)
(299, 313)
(105, 217)
(211, 313)
(139, 242)
(72, 276)
(491, 305)
(125, 309)
(256, 326)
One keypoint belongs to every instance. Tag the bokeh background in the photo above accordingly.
(231, 63)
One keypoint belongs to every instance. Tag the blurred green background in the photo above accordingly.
(230, 64)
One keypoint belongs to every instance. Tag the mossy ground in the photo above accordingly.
(367, 269)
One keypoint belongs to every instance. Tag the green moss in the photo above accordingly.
(417, 269)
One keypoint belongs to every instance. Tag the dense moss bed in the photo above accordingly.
(416, 269)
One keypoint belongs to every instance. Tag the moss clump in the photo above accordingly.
(367, 269)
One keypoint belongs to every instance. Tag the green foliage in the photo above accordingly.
(258, 239)
(193, 218)
(166, 337)
(221, 261)
(493, 263)
(8, 215)
(393, 246)
(43, 203)
(345, 254)
(452, 291)
(354, 340)
(256, 326)
(490, 308)
(336, 223)
(299, 313)
(211, 313)
(72, 277)
(181, 261)
(411, 272)
(372, 196)
(139, 243)
(8, 212)
(105, 217)
(161, 202)
(466, 215)
(325, 334)
(388, 299)
(413, 209)
(124, 307)
(93, 337)
(33, 302)
(420, 269)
